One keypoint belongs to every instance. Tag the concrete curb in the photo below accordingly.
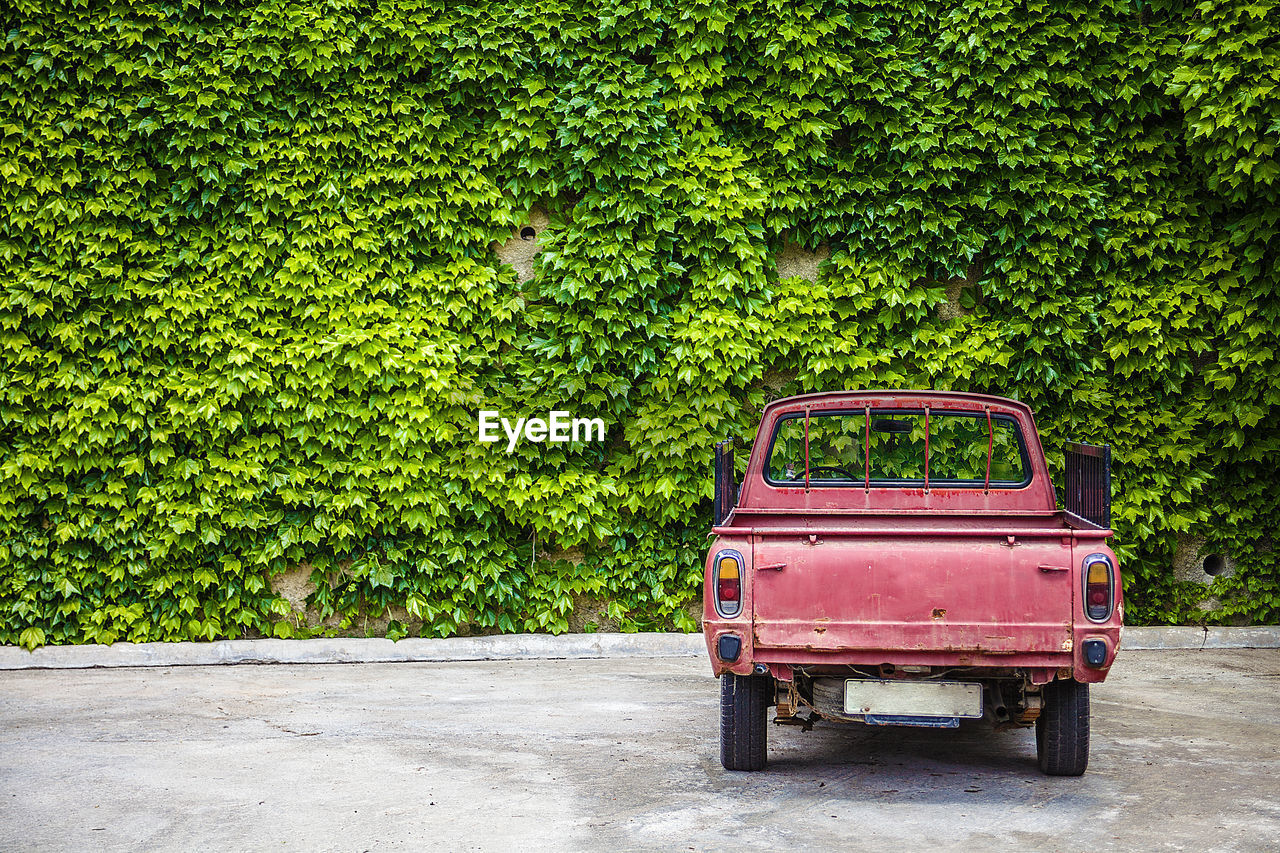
(1215, 637)
(505, 647)
(356, 650)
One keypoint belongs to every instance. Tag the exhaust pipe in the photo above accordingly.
(994, 703)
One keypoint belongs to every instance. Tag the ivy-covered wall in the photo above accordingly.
(252, 302)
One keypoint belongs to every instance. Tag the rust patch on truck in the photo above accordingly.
(939, 612)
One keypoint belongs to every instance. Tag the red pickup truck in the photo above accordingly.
(899, 558)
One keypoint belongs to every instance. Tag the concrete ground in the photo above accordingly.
(609, 755)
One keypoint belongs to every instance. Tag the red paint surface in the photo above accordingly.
(941, 576)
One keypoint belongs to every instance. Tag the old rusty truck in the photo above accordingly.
(898, 558)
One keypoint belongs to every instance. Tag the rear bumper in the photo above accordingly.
(1044, 665)
(936, 635)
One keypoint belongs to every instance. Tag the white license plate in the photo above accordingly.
(912, 698)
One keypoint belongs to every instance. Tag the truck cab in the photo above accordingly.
(899, 558)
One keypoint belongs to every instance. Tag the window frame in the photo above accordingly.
(1023, 455)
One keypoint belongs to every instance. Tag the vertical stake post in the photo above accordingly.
(986, 483)
(866, 461)
(806, 450)
(926, 450)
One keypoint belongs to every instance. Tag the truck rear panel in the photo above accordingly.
(895, 586)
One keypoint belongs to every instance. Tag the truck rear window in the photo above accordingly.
(840, 443)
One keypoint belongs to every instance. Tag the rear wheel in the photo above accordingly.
(744, 703)
(1062, 729)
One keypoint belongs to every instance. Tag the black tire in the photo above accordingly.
(744, 704)
(1062, 729)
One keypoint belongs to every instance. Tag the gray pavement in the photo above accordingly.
(609, 755)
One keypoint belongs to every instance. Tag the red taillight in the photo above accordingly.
(729, 589)
(1099, 587)
(728, 583)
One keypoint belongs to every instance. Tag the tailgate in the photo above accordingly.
(918, 593)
